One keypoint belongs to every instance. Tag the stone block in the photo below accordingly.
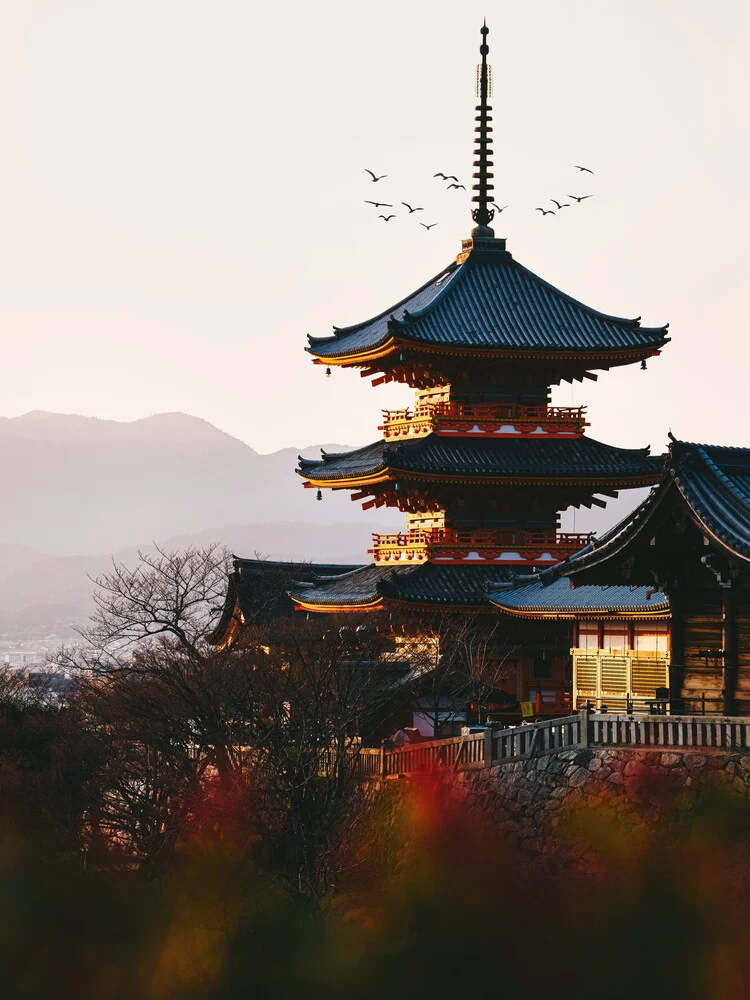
(717, 760)
(671, 759)
(578, 777)
(595, 763)
(694, 760)
(616, 778)
(739, 786)
(636, 766)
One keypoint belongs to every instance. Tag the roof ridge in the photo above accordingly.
(633, 323)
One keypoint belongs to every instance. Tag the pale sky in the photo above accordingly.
(182, 181)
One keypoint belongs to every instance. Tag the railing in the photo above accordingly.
(502, 419)
(436, 754)
(457, 544)
(670, 731)
(541, 737)
(584, 730)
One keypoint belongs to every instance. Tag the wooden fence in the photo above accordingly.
(584, 729)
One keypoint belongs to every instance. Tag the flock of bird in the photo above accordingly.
(457, 186)
(560, 205)
(411, 209)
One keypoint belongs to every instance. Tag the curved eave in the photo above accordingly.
(302, 605)
(604, 481)
(568, 614)
(591, 359)
(230, 619)
(699, 518)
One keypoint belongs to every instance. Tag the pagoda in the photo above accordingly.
(482, 464)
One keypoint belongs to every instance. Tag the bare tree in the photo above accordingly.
(278, 715)
(457, 660)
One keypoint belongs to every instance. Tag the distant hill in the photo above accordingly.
(78, 485)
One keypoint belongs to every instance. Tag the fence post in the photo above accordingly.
(584, 724)
(488, 737)
(382, 760)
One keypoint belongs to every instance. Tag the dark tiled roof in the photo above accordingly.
(258, 587)
(713, 481)
(441, 585)
(355, 588)
(493, 303)
(561, 597)
(502, 458)
(423, 584)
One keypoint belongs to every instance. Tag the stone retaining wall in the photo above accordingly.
(536, 803)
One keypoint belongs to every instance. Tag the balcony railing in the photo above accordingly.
(478, 419)
(456, 545)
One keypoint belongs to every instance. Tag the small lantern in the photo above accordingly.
(319, 495)
(328, 372)
(644, 366)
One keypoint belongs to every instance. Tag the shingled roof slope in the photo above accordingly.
(502, 458)
(559, 597)
(715, 482)
(425, 583)
(493, 303)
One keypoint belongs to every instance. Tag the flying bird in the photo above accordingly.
(440, 174)
(385, 218)
(431, 225)
(544, 211)
(411, 210)
(463, 188)
(378, 204)
(565, 205)
(497, 207)
(450, 177)
(584, 170)
(582, 198)
(375, 177)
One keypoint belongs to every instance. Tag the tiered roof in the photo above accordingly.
(492, 305)
(510, 460)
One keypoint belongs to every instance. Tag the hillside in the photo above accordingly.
(78, 485)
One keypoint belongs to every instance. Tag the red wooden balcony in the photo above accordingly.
(480, 545)
(483, 419)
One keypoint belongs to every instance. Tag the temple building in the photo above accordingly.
(482, 464)
(689, 540)
(619, 636)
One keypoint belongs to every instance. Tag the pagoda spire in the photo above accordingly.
(483, 187)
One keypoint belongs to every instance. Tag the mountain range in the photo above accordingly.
(79, 489)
